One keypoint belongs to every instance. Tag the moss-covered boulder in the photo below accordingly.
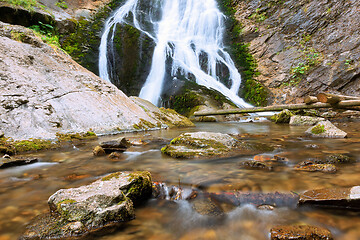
(282, 117)
(76, 212)
(200, 144)
(325, 129)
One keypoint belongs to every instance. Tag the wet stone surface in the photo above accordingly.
(300, 232)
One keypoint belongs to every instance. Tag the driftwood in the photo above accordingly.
(334, 98)
(311, 100)
(341, 105)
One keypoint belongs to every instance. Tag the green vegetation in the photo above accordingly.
(62, 4)
(47, 33)
(27, 4)
(258, 16)
(318, 129)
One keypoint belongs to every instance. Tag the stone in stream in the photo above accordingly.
(253, 164)
(7, 161)
(77, 212)
(325, 129)
(117, 145)
(99, 151)
(338, 159)
(348, 198)
(300, 232)
(204, 144)
(297, 120)
(282, 117)
(315, 166)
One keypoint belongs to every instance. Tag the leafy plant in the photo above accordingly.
(62, 4)
(258, 16)
(27, 4)
(47, 33)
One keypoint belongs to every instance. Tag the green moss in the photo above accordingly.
(62, 210)
(111, 176)
(27, 4)
(144, 125)
(318, 129)
(282, 117)
(70, 137)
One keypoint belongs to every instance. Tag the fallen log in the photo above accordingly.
(340, 105)
(310, 100)
(334, 98)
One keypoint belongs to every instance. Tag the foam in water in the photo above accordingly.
(185, 31)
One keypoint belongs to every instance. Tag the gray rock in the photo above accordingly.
(325, 129)
(79, 211)
(44, 92)
(117, 145)
(334, 197)
(205, 144)
(282, 117)
(304, 120)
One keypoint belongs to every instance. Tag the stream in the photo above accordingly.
(24, 190)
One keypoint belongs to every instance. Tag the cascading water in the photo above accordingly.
(185, 32)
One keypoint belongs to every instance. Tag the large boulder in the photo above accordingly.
(204, 144)
(325, 129)
(44, 92)
(78, 211)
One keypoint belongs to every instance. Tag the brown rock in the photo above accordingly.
(332, 198)
(252, 164)
(99, 151)
(314, 167)
(300, 232)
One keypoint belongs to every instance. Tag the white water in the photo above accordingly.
(185, 31)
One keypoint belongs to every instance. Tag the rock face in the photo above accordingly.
(300, 232)
(332, 198)
(325, 129)
(303, 47)
(78, 211)
(304, 120)
(204, 144)
(43, 91)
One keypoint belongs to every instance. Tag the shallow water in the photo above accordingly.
(24, 190)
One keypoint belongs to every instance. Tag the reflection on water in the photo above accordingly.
(24, 190)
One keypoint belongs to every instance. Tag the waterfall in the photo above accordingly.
(185, 32)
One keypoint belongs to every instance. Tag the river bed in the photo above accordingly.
(24, 190)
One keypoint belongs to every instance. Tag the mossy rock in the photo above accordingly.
(282, 117)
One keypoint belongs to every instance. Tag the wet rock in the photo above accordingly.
(300, 232)
(338, 159)
(257, 199)
(304, 120)
(266, 207)
(117, 145)
(204, 144)
(173, 193)
(207, 207)
(282, 117)
(252, 164)
(7, 161)
(116, 155)
(78, 211)
(99, 151)
(332, 198)
(326, 129)
(315, 166)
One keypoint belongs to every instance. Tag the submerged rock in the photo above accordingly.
(332, 198)
(99, 151)
(304, 120)
(253, 164)
(300, 232)
(338, 159)
(7, 161)
(315, 166)
(78, 211)
(325, 129)
(204, 144)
